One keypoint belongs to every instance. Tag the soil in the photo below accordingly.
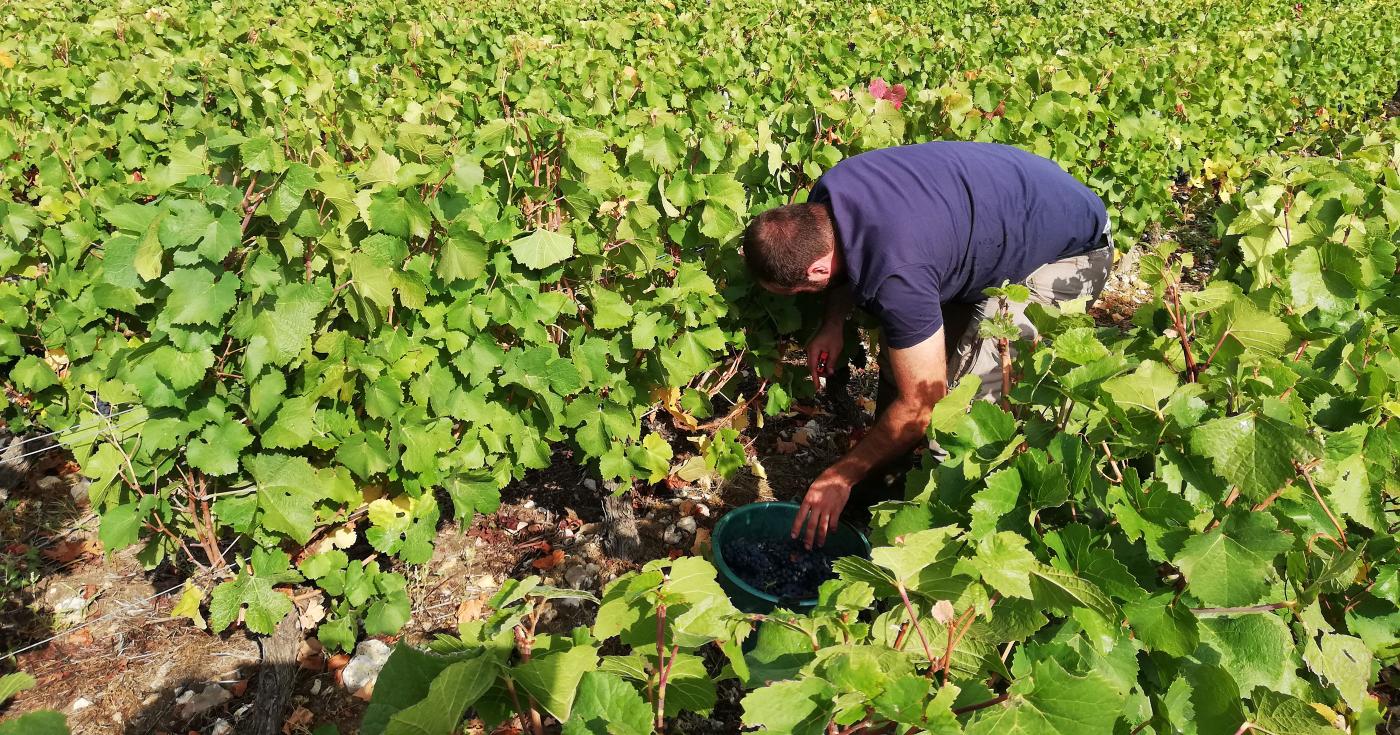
(98, 634)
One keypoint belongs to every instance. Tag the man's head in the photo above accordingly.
(792, 249)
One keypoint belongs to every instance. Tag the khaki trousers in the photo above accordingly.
(1067, 279)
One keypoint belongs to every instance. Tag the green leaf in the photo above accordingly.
(262, 606)
(1252, 327)
(121, 526)
(1345, 662)
(1005, 564)
(405, 526)
(188, 605)
(1280, 714)
(553, 679)
(12, 684)
(217, 450)
(542, 248)
(1052, 702)
(1257, 649)
(607, 705)
(462, 257)
(800, 707)
(288, 489)
(1065, 591)
(912, 552)
(1232, 564)
(31, 374)
(1164, 626)
(404, 681)
(36, 723)
(459, 686)
(1253, 451)
(1144, 389)
(610, 311)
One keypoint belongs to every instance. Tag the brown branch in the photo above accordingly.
(1212, 611)
(981, 705)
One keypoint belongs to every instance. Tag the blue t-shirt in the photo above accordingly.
(925, 224)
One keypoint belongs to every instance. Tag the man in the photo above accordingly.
(913, 235)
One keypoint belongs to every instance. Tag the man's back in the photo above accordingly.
(937, 222)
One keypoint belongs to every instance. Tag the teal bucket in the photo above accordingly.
(772, 520)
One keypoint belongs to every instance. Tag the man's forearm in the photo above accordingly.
(895, 433)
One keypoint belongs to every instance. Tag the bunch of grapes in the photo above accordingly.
(779, 567)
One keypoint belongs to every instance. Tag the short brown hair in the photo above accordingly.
(782, 243)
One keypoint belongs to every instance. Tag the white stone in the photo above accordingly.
(80, 704)
(365, 665)
(221, 727)
(315, 687)
(673, 535)
(686, 524)
(211, 696)
(579, 577)
(70, 610)
(590, 483)
(49, 484)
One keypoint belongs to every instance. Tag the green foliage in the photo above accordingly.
(345, 262)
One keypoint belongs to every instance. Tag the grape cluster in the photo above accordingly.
(779, 567)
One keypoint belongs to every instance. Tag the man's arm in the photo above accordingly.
(921, 374)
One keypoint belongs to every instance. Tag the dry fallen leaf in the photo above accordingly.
(365, 692)
(802, 437)
(79, 638)
(311, 655)
(549, 561)
(239, 688)
(470, 610)
(701, 545)
(300, 719)
(338, 661)
(311, 612)
(66, 552)
(786, 447)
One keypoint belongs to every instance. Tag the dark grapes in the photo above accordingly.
(779, 567)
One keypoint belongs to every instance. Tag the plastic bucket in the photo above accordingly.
(772, 520)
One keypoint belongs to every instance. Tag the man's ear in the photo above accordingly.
(822, 268)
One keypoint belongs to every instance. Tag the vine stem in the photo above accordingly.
(1306, 472)
(662, 670)
(1212, 611)
(982, 705)
(1192, 370)
(914, 620)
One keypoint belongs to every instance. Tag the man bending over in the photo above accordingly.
(913, 235)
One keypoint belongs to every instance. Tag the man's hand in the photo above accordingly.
(823, 352)
(821, 508)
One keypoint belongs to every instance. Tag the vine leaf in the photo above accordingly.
(1232, 564)
(288, 489)
(607, 705)
(1051, 701)
(262, 605)
(542, 248)
(1253, 451)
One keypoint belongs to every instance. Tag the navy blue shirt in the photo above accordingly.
(921, 225)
